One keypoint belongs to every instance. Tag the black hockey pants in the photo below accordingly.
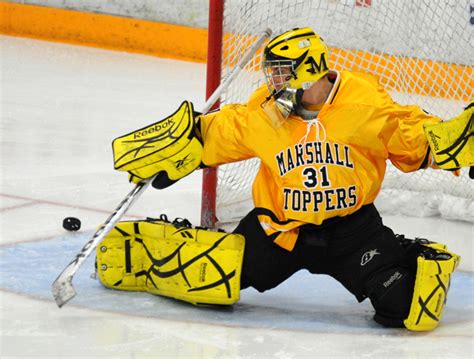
(358, 251)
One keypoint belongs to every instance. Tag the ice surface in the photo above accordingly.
(60, 108)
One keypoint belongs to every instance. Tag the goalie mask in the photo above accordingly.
(292, 62)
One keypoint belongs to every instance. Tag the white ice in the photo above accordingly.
(61, 106)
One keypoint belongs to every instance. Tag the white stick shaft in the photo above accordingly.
(236, 70)
(62, 288)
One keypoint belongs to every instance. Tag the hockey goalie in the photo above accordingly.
(323, 138)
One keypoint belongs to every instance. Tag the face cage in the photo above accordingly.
(277, 75)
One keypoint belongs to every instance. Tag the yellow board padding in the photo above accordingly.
(440, 79)
(104, 31)
(192, 265)
(431, 288)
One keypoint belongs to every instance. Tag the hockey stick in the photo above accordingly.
(62, 288)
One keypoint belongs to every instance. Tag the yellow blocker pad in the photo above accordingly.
(452, 142)
(193, 265)
(431, 287)
(169, 145)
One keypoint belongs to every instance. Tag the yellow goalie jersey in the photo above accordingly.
(312, 171)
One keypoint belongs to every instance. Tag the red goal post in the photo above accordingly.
(213, 79)
(420, 51)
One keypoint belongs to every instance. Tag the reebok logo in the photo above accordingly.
(182, 162)
(202, 272)
(396, 276)
(367, 256)
(433, 139)
(154, 128)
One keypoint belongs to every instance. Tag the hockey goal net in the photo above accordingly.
(421, 51)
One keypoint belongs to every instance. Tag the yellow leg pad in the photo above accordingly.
(193, 265)
(431, 289)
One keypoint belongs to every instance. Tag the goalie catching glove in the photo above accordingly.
(168, 148)
(452, 142)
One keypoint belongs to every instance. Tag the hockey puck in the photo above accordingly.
(71, 224)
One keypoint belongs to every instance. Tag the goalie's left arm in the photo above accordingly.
(452, 142)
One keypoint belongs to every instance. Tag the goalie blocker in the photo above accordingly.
(170, 149)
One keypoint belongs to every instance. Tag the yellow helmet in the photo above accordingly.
(293, 61)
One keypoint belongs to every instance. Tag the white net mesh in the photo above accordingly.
(422, 52)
